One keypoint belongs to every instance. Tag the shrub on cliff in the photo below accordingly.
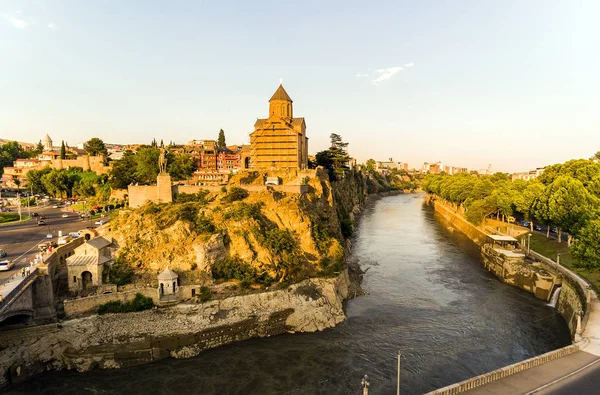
(139, 303)
(199, 197)
(236, 269)
(235, 194)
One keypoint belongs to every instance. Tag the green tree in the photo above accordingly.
(95, 147)
(123, 171)
(63, 150)
(596, 156)
(180, 166)
(39, 148)
(34, 180)
(221, 139)
(586, 247)
(146, 169)
(525, 199)
(371, 165)
(10, 152)
(570, 205)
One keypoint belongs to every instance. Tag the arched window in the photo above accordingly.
(283, 114)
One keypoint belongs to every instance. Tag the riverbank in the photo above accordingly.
(117, 340)
(542, 278)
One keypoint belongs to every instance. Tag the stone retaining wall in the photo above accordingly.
(501, 373)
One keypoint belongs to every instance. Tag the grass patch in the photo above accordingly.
(550, 248)
(9, 218)
(139, 303)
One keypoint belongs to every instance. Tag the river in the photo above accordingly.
(429, 296)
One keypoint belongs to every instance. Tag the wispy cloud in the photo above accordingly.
(386, 74)
(16, 22)
(52, 26)
(380, 75)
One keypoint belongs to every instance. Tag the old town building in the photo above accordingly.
(279, 141)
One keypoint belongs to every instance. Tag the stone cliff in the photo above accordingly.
(118, 340)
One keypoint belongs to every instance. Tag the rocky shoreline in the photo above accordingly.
(118, 340)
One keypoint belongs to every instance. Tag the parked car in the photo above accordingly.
(537, 227)
(41, 222)
(553, 229)
(64, 239)
(2, 253)
(74, 234)
(6, 265)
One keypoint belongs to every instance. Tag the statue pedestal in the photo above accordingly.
(164, 188)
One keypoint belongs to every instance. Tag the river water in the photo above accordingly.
(429, 297)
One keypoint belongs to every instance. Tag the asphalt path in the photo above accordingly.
(20, 239)
(584, 381)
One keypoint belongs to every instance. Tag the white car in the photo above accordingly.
(101, 222)
(55, 206)
(6, 265)
(65, 215)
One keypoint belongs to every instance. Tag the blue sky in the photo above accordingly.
(511, 83)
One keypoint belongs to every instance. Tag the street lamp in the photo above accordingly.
(398, 386)
(558, 259)
(528, 243)
(365, 384)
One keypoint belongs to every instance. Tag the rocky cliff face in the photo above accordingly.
(283, 236)
(118, 340)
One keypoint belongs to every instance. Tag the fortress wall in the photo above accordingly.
(139, 194)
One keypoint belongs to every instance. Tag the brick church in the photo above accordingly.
(279, 141)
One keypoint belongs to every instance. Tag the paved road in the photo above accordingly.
(587, 381)
(20, 239)
(539, 379)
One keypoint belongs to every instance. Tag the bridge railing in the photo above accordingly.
(16, 290)
(504, 372)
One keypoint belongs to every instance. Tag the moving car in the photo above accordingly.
(34, 214)
(6, 265)
(101, 222)
(2, 253)
(41, 222)
(65, 215)
(74, 234)
(55, 206)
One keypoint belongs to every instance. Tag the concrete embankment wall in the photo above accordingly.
(458, 221)
(182, 331)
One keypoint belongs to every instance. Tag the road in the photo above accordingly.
(585, 381)
(20, 239)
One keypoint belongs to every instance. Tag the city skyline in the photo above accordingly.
(468, 84)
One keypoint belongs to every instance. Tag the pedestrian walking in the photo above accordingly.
(22, 272)
(1, 300)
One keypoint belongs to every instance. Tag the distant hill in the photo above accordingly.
(23, 144)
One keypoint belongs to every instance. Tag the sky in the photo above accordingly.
(509, 83)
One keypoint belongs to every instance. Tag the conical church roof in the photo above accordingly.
(280, 94)
(168, 274)
(47, 138)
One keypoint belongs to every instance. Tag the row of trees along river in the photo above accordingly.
(565, 196)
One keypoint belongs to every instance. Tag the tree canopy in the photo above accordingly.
(95, 147)
(221, 139)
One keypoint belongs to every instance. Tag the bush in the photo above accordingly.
(277, 240)
(139, 303)
(92, 212)
(204, 225)
(243, 211)
(205, 294)
(120, 272)
(347, 227)
(236, 269)
(199, 197)
(235, 194)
